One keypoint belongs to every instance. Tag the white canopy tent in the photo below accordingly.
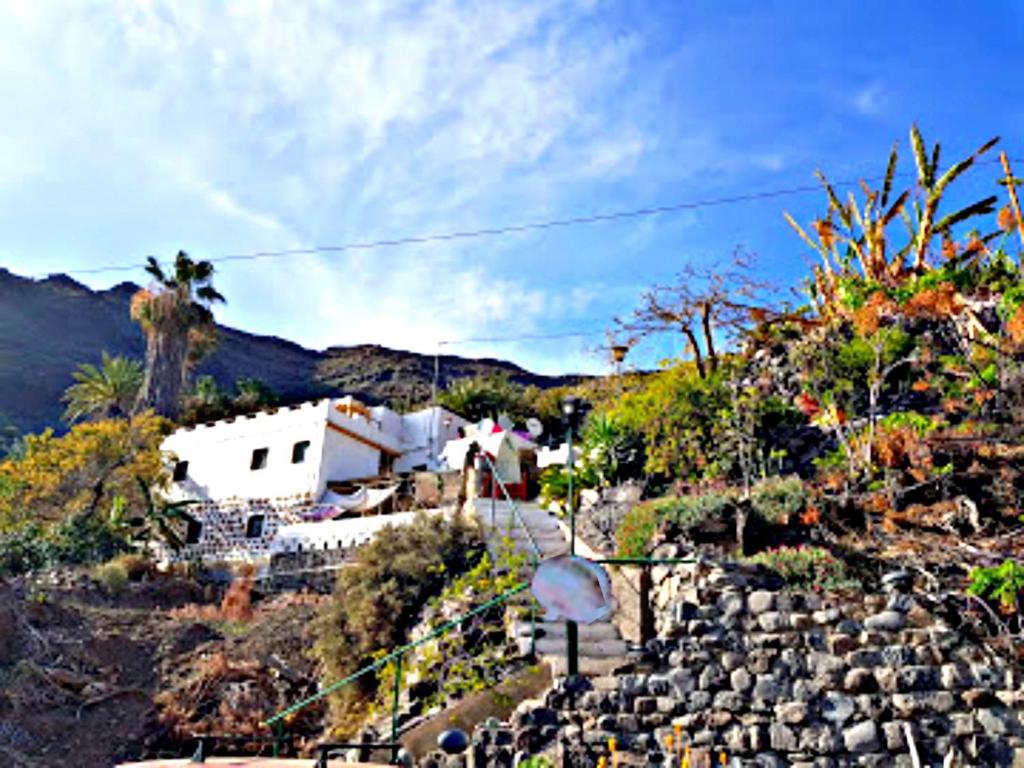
(503, 447)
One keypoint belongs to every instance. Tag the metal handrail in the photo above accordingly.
(277, 721)
(516, 515)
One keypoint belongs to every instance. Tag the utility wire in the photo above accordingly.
(517, 228)
(524, 337)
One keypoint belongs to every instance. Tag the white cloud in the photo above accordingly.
(870, 100)
(253, 126)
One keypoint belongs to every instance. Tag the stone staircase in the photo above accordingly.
(601, 647)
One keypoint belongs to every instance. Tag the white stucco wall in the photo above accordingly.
(424, 436)
(390, 421)
(219, 455)
(342, 446)
(346, 459)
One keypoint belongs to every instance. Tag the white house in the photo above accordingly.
(296, 451)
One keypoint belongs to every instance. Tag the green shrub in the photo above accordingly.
(81, 539)
(21, 551)
(635, 534)
(1003, 584)
(806, 568)
(379, 598)
(554, 484)
(779, 500)
(112, 576)
(538, 761)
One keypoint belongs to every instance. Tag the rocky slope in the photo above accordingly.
(49, 326)
(90, 677)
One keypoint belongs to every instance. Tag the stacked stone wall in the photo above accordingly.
(773, 678)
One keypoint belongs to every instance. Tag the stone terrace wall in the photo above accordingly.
(779, 679)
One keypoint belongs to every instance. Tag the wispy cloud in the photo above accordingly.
(871, 100)
(240, 126)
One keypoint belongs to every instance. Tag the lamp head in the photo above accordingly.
(570, 410)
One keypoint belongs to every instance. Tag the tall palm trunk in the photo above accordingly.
(166, 351)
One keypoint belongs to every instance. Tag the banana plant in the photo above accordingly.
(852, 238)
(158, 521)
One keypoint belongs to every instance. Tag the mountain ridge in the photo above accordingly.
(50, 325)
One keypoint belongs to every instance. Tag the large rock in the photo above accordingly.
(886, 621)
(862, 737)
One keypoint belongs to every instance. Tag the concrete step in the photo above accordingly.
(589, 666)
(541, 522)
(518, 534)
(545, 550)
(591, 649)
(601, 630)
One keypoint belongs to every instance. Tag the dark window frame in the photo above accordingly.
(180, 473)
(255, 526)
(299, 451)
(259, 460)
(194, 531)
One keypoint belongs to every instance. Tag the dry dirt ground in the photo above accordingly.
(91, 679)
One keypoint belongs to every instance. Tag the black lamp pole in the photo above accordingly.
(570, 413)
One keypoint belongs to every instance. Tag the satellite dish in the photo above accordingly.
(534, 427)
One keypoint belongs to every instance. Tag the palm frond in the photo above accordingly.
(183, 269)
(988, 205)
(987, 146)
(896, 208)
(920, 156)
(934, 165)
(210, 295)
(800, 231)
(833, 198)
(155, 270)
(202, 271)
(890, 173)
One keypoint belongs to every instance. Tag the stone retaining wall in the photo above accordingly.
(772, 678)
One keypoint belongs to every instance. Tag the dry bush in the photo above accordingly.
(237, 602)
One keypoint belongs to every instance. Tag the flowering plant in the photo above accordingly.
(803, 567)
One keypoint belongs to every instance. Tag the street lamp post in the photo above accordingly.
(619, 352)
(570, 415)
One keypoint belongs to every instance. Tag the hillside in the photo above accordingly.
(48, 327)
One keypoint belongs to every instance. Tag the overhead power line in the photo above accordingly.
(510, 229)
(523, 337)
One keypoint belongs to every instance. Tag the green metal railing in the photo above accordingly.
(277, 722)
(535, 551)
(513, 508)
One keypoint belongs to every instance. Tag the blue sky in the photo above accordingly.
(135, 128)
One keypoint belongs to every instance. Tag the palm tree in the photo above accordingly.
(107, 391)
(252, 394)
(206, 402)
(175, 312)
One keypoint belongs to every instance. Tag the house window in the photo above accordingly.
(180, 471)
(259, 459)
(299, 452)
(194, 531)
(254, 527)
